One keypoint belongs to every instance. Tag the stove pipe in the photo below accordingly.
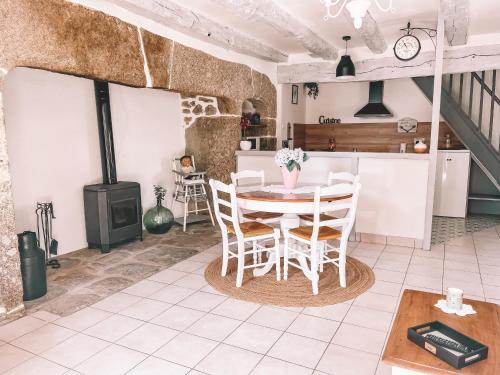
(108, 164)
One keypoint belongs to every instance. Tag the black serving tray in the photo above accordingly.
(459, 360)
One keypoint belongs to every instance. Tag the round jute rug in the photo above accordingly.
(297, 290)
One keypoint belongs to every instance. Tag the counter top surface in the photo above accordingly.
(373, 155)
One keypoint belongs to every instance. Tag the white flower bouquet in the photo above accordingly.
(291, 159)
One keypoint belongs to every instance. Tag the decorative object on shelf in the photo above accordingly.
(407, 125)
(402, 148)
(245, 145)
(255, 119)
(290, 162)
(295, 94)
(345, 67)
(158, 219)
(420, 147)
(325, 120)
(44, 215)
(408, 46)
(312, 89)
(33, 266)
(357, 9)
(447, 138)
(332, 144)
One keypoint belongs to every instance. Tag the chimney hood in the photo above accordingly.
(375, 107)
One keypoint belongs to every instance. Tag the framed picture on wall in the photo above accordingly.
(295, 94)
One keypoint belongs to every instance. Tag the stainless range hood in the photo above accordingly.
(375, 107)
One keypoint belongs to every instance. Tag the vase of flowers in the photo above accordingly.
(158, 219)
(245, 145)
(290, 162)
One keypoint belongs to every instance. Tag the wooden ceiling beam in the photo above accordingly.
(269, 13)
(461, 60)
(370, 33)
(456, 21)
(174, 16)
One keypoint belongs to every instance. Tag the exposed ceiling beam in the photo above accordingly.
(186, 21)
(456, 21)
(370, 33)
(461, 60)
(269, 13)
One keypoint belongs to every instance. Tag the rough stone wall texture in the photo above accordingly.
(59, 36)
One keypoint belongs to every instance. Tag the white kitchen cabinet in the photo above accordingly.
(452, 183)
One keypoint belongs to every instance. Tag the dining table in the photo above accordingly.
(291, 203)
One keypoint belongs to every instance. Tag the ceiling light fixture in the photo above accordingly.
(357, 9)
(345, 68)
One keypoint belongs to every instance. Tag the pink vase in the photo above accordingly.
(290, 178)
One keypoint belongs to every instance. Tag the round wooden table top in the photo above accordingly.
(264, 196)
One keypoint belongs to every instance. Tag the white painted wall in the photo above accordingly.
(292, 113)
(54, 147)
(342, 100)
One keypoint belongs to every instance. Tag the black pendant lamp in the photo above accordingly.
(345, 68)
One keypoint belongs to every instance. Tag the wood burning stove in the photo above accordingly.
(113, 211)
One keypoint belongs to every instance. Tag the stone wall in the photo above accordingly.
(62, 37)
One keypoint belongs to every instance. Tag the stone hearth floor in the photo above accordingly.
(87, 276)
(174, 323)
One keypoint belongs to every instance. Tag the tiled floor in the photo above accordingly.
(447, 228)
(174, 323)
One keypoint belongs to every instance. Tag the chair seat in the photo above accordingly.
(251, 229)
(262, 215)
(325, 233)
(322, 217)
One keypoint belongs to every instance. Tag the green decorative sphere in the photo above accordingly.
(158, 220)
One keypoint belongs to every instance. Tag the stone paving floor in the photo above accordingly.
(87, 276)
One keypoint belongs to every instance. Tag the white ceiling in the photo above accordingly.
(483, 20)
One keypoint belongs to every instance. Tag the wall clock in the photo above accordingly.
(407, 47)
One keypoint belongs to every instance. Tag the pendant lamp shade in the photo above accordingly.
(345, 68)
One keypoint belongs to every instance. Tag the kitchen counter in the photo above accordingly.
(335, 154)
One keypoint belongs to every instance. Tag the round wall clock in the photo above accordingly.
(407, 47)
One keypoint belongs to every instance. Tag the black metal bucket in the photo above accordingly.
(33, 268)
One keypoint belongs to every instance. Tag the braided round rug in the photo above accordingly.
(297, 290)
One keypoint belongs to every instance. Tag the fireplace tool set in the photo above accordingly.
(44, 215)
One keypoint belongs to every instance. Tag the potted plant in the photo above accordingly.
(245, 144)
(290, 162)
(312, 89)
(158, 219)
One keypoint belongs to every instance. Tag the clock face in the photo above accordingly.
(407, 47)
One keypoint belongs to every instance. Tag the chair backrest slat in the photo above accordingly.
(247, 174)
(341, 177)
(232, 217)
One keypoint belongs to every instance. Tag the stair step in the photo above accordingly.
(484, 197)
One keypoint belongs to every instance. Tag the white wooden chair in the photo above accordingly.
(315, 237)
(190, 187)
(251, 231)
(254, 177)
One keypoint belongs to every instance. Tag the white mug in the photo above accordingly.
(454, 299)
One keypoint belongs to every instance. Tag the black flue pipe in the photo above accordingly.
(108, 164)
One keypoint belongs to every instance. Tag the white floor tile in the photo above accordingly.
(490, 280)
(157, 366)
(202, 301)
(436, 252)
(236, 309)
(339, 360)
(116, 302)
(205, 257)
(365, 339)
(45, 316)
(37, 366)
(171, 294)
(253, 337)
(314, 327)
(215, 327)
(144, 288)
(148, 338)
(228, 360)
(187, 266)
(273, 366)
(452, 275)
(178, 318)
(83, 319)
(167, 276)
(146, 309)
(19, 327)
(273, 317)
(191, 281)
(392, 265)
(112, 360)
(490, 270)
(387, 275)
(383, 369)
(334, 312)
(43, 338)
(302, 351)
(377, 301)
(387, 288)
(425, 270)
(428, 282)
(113, 328)
(186, 350)
(399, 249)
(460, 265)
(75, 350)
(492, 292)
(12, 356)
(369, 318)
